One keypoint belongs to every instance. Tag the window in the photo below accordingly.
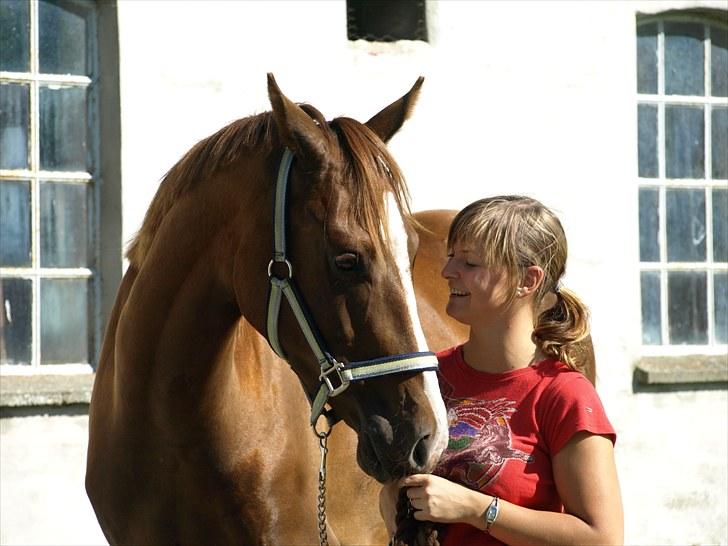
(682, 111)
(386, 20)
(48, 190)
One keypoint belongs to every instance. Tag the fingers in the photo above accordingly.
(415, 480)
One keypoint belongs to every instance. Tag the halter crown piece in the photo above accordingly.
(332, 371)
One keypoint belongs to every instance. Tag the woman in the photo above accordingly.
(531, 453)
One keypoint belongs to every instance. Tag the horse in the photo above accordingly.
(196, 425)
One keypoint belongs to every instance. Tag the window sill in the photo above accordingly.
(669, 373)
(45, 390)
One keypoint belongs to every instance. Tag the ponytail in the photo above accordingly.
(560, 329)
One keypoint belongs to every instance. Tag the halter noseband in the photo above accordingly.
(330, 367)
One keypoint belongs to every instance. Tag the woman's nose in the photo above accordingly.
(447, 270)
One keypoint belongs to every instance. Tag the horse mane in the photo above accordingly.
(367, 163)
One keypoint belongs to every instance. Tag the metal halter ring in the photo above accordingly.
(335, 367)
(290, 268)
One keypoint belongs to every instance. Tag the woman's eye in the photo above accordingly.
(348, 261)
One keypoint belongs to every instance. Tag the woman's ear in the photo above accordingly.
(532, 278)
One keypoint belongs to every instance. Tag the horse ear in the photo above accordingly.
(298, 131)
(387, 122)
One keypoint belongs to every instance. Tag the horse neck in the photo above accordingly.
(183, 306)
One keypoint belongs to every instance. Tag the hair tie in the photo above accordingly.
(558, 287)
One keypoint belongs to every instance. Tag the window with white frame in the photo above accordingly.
(48, 157)
(682, 95)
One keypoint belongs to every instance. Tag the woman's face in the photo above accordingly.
(478, 293)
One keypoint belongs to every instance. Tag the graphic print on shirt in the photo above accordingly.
(480, 439)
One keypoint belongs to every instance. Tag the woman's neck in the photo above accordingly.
(501, 346)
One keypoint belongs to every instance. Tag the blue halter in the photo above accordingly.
(335, 376)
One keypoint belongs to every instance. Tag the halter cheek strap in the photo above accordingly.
(335, 376)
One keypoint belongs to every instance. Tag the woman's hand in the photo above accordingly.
(440, 500)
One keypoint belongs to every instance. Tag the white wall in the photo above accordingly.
(520, 97)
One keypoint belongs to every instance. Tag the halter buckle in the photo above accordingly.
(336, 366)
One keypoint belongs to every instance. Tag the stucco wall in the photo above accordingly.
(527, 97)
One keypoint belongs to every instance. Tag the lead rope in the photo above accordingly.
(323, 438)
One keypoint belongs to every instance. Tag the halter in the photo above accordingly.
(335, 376)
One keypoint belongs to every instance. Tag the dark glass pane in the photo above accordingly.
(647, 140)
(386, 20)
(684, 59)
(719, 61)
(651, 322)
(64, 321)
(63, 131)
(64, 215)
(16, 329)
(720, 305)
(685, 225)
(647, 59)
(684, 142)
(719, 146)
(14, 36)
(649, 225)
(15, 249)
(62, 37)
(687, 307)
(720, 225)
(14, 124)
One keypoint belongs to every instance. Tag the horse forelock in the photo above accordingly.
(373, 173)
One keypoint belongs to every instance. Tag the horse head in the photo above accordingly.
(350, 244)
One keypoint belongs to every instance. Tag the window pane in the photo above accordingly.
(14, 123)
(684, 59)
(15, 224)
(16, 321)
(719, 61)
(647, 140)
(720, 303)
(720, 225)
(685, 225)
(386, 20)
(651, 323)
(14, 36)
(649, 225)
(63, 128)
(63, 219)
(719, 146)
(62, 48)
(64, 321)
(684, 137)
(647, 59)
(687, 309)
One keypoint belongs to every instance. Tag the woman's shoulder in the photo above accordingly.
(560, 378)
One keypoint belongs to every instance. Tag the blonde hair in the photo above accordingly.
(513, 232)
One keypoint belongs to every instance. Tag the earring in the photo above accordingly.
(519, 292)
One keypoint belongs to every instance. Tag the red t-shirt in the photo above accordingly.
(504, 429)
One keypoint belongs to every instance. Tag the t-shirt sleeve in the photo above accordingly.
(573, 405)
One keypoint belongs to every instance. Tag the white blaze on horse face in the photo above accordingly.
(396, 235)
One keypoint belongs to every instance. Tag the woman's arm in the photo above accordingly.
(586, 479)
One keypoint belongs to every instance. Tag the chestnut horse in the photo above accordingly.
(198, 433)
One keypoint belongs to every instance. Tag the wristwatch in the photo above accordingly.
(491, 514)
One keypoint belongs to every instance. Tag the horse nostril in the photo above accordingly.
(421, 451)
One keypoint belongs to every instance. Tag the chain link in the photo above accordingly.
(323, 437)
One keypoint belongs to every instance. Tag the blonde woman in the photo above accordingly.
(531, 453)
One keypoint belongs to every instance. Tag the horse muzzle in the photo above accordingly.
(389, 451)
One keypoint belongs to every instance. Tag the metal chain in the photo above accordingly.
(323, 437)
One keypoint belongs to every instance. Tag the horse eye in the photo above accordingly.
(348, 261)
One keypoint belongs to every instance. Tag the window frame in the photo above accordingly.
(661, 183)
(34, 175)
